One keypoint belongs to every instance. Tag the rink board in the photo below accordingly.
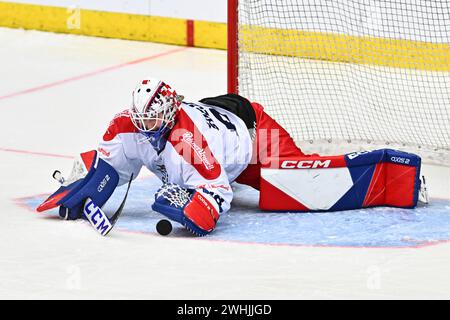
(376, 227)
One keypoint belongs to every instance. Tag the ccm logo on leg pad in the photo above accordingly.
(305, 164)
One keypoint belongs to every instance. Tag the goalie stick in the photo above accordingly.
(94, 214)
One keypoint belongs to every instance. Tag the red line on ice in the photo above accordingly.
(36, 153)
(90, 74)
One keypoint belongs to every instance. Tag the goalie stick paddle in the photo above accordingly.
(98, 219)
(118, 213)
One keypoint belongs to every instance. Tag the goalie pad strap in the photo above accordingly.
(357, 180)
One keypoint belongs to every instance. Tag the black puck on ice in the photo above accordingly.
(164, 227)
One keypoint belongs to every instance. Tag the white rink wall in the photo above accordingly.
(207, 10)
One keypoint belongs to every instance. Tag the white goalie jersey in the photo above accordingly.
(207, 149)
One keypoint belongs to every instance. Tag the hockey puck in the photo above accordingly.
(164, 227)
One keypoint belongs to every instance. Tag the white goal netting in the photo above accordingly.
(348, 73)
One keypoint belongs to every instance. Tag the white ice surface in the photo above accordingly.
(42, 257)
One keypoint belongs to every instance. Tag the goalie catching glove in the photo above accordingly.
(194, 209)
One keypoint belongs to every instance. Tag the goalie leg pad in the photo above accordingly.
(357, 180)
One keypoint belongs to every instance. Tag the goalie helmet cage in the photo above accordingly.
(347, 75)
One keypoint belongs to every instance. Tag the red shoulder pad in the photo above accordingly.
(120, 124)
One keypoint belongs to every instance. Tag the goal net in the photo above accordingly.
(347, 74)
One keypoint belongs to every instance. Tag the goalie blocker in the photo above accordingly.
(196, 210)
(357, 180)
(88, 188)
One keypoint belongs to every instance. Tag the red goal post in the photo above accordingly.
(232, 46)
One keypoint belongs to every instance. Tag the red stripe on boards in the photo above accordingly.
(190, 33)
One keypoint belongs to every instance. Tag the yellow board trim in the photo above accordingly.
(296, 43)
(210, 35)
(345, 48)
(112, 25)
(93, 23)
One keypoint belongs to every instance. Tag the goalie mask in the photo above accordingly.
(154, 107)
